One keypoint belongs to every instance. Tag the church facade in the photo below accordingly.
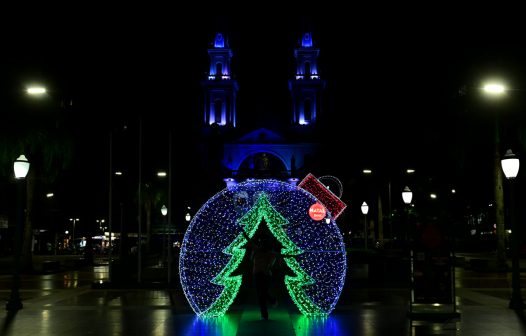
(285, 152)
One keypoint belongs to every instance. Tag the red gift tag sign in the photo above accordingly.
(324, 195)
(317, 212)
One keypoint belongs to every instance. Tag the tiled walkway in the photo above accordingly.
(86, 311)
(66, 304)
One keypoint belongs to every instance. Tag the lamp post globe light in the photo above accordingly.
(365, 210)
(407, 195)
(510, 166)
(21, 168)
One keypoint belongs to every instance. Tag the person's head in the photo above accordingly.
(265, 242)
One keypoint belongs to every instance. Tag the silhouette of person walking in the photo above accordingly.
(263, 258)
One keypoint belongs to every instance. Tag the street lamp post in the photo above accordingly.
(365, 210)
(101, 231)
(74, 220)
(110, 206)
(169, 203)
(495, 90)
(380, 224)
(510, 167)
(52, 223)
(407, 197)
(21, 168)
(164, 212)
(188, 217)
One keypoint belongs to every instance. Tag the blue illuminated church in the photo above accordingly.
(272, 149)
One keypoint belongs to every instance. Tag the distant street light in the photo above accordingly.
(36, 90)
(494, 88)
(510, 166)
(101, 224)
(365, 210)
(21, 168)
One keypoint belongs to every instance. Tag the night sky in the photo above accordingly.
(393, 74)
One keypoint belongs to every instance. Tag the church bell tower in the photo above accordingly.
(307, 86)
(220, 89)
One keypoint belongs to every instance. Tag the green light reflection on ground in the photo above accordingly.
(307, 326)
(224, 325)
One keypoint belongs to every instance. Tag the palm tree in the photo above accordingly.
(49, 150)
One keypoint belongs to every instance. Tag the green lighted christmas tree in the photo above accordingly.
(262, 209)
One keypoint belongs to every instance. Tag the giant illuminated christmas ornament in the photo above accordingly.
(214, 246)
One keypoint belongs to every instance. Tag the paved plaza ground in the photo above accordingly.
(67, 303)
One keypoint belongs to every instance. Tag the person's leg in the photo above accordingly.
(262, 290)
(269, 297)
